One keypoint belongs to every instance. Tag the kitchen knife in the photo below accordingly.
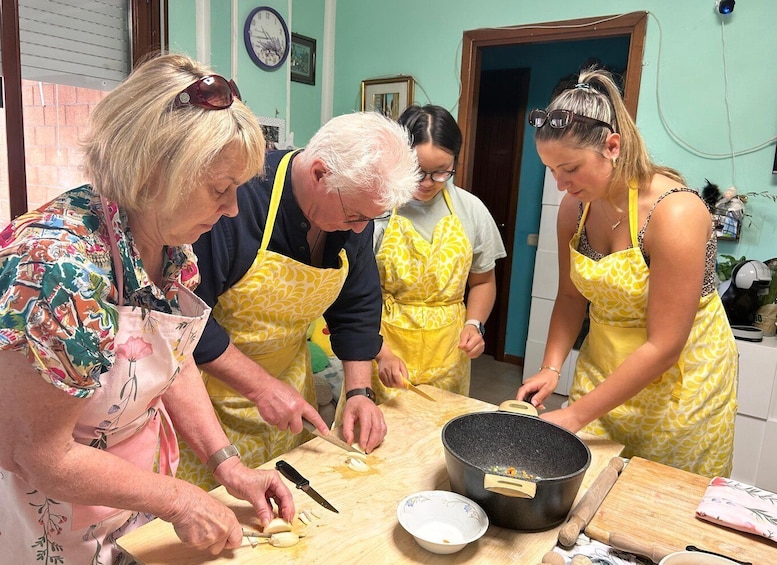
(303, 484)
(330, 437)
(415, 389)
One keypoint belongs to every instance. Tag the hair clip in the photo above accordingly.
(584, 85)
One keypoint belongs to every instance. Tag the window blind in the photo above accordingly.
(81, 43)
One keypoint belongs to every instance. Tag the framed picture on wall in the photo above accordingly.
(303, 59)
(274, 130)
(389, 96)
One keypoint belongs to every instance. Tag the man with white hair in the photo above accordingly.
(300, 247)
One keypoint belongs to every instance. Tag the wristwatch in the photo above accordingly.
(220, 456)
(368, 392)
(478, 324)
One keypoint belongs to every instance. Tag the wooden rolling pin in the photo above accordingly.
(589, 504)
(655, 551)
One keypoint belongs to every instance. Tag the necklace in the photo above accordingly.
(615, 224)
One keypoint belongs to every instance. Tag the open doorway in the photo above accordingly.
(509, 322)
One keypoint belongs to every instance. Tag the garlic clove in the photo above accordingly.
(284, 539)
(357, 465)
(277, 525)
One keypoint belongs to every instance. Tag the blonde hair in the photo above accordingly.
(366, 151)
(597, 96)
(141, 151)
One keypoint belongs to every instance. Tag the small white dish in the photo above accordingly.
(695, 558)
(442, 521)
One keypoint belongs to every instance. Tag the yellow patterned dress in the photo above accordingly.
(423, 301)
(685, 417)
(267, 314)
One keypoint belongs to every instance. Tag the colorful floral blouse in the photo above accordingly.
(58, 294)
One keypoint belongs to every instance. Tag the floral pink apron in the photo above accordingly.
(126, 416)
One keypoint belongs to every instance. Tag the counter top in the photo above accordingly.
(366, 530)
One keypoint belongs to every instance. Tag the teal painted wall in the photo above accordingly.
(690, 74)
(308, 20)
(267, 93)
(683, 105)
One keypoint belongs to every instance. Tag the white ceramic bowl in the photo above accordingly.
(442, 521)
(694, 558)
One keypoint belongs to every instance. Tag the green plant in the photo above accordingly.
(726, 265)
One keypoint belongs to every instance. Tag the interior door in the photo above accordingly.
(495, 173)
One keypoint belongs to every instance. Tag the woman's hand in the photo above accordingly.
(201, 521)
(471, 342)
(258, 487)
(391, 369)
(538, 387)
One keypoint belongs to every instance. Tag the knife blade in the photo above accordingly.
(415, 389)
(303, 484)
(330, 437)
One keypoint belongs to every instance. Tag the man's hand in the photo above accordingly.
(372, 426)
(282, 406)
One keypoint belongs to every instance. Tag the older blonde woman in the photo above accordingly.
(98, 323)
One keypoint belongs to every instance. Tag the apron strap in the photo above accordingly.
(275, 198)
(447, 198)
(118, 266)
(634, 214)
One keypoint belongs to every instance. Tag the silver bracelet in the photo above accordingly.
(220, 456)
(551, 368)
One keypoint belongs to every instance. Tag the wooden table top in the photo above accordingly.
(366, 530)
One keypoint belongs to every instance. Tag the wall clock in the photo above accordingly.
(266, 38)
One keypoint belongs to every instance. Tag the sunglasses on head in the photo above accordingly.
(559, 119)
(212, 92)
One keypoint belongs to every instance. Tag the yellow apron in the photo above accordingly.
(267, 314)
(423, 302)
(685, 417)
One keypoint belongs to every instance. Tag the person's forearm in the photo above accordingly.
(357, 374)
(191, 411)
(42, 452)
(480, 300)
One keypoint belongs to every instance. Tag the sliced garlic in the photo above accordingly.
(358, 447)
(277, 525)
(284, 539)
(361, 456)
(357, 465)
(304, 518)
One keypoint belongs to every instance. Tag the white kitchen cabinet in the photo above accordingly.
(544, 288)
(755, 437)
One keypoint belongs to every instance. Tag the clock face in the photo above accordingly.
(266, 37)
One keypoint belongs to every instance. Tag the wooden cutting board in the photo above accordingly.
(411, 459)
(653, 503)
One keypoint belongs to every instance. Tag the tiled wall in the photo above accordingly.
(55, 116)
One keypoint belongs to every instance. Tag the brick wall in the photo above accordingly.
(55, 116)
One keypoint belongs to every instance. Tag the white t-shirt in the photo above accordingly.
(478, 224)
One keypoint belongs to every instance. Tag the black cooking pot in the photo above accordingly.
(524, 472)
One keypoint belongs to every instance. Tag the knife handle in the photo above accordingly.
(292, 474)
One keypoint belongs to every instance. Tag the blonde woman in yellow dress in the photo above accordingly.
(429, 251)
(658, 369)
